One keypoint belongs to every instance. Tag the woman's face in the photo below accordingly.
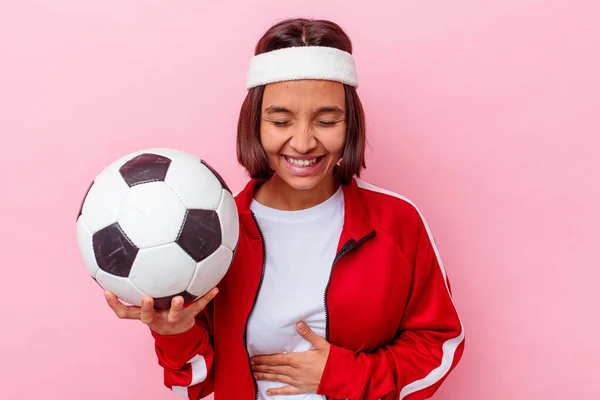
(303, 130)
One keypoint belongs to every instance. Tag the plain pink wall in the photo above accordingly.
(485, 113)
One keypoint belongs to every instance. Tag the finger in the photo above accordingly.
(203, 301)
(175, 310)
(309, 335)
(275, 370)
(122, 311)
(147, 313)
(272, 359)
(261, 376)
(284, 390)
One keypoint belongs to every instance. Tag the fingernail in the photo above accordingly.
(302, 325)
(252, 362)
(215, 291)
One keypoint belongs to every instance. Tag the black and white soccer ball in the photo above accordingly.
(158, 222)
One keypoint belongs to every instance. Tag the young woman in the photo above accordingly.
(336, 289)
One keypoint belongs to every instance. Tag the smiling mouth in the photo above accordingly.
(303, 163)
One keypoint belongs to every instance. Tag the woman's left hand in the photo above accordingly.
(301, 371)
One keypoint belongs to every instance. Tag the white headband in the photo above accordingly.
(305, 62)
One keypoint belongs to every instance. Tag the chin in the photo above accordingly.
(302, 183)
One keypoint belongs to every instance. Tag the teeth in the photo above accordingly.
(301, 163)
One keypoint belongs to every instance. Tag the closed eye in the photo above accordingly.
(327, 123)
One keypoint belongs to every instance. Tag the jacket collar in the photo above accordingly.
(356, 222)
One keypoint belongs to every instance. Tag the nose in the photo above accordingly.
(303, 139)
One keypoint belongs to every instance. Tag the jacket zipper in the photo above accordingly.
(262, 275)
(346, 248)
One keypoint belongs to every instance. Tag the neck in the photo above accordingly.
(276, 193)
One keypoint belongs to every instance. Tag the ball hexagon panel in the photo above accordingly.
(201, 233)
(116, 165)
(223, 184)
(204, 194)
(145, 168)
(171, 153)
(210, 271)
(163, 270)
(228, 216)
(164, 303)
(84, 240)
(123, 286)
(113, 250)
(152, 215)
(103, 202)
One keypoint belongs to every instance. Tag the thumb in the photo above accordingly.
(309, 335)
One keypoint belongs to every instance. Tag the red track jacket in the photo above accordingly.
(393, 329)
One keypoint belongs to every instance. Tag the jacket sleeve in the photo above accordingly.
(428, 344)
(187, 359)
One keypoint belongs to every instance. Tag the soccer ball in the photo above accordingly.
(158, 222)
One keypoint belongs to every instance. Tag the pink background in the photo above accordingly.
(485, 113)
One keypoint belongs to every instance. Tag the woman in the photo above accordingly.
(336, 289)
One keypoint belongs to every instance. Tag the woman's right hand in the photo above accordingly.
(173, 321)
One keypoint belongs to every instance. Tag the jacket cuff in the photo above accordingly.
(343, 375)
(177, 350)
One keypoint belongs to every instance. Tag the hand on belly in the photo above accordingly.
(300, 371)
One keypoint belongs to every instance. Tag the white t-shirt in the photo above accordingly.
(300, 248)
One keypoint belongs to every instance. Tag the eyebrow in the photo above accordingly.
(334, 109)
(278, 109)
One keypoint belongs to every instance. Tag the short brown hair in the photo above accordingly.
(293, 33)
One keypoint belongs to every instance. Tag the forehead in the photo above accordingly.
(304, 93)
